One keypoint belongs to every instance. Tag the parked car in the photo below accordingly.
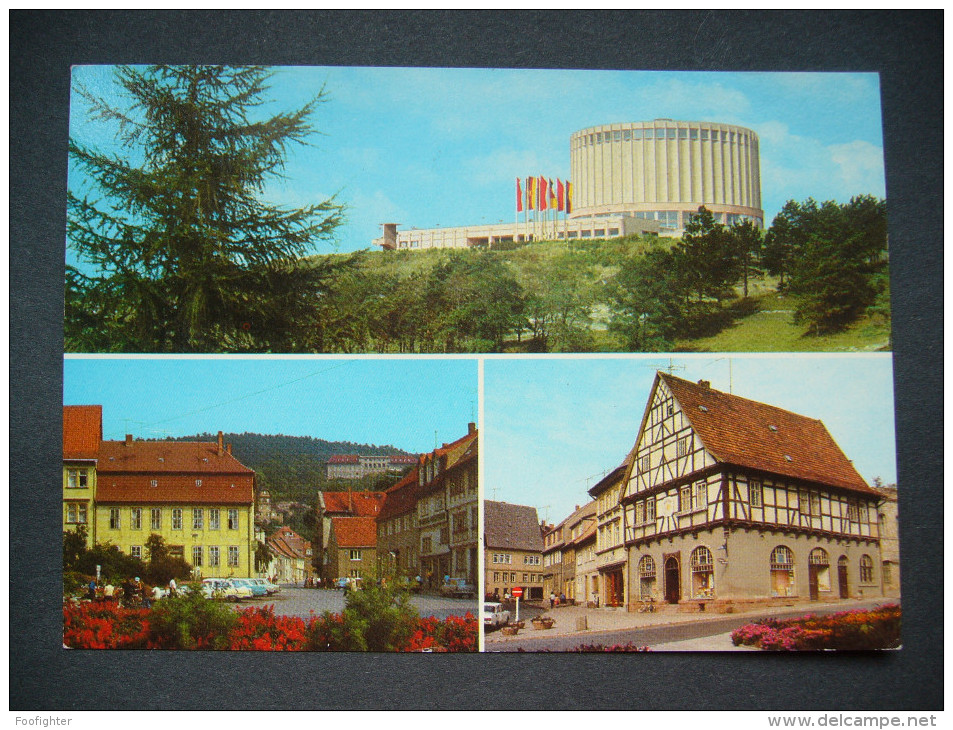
(225, 589)
(494, 615)
(458, 588)
(270, 588)
(257, 590)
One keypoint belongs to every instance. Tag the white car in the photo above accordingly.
(225, 589)
(494, 615)
(269, 586)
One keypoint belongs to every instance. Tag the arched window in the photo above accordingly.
(703, 573)
(647, 578)
(782, 572)
(866, 569)
(820, 569)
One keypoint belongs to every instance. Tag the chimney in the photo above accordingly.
(705, 383)
(577, 508)
(228, 449)
(128, 439)
(221, 445)
(471, 429)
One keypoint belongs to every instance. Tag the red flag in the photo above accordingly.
(519, 197)
(568, 197)
(543, 197)
(560, 195)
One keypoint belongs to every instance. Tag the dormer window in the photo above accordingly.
(198, 482)
(788, 458)
(773, 428)
(703, 409)
(154, 483)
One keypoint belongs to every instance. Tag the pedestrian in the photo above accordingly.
(562, 598)
(172, 588)
(91, 590)
(595, 599)
(552, 600)
(156, 593)
(109, 592)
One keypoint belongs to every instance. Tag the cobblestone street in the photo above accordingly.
(300, 602)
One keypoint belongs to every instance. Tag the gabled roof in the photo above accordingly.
(400, 498)
(289, 543)
(589, 535)
(755, 435)
(166, 457)
(117, 488)
(354, 532)
(344, 459)
(511, 526)
(611, 479)
(355, 504)
(82, 432)
(581, 513)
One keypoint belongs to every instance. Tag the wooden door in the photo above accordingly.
(842, 580)
(812, 580)
(673, 591)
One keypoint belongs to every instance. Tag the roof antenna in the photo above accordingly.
(672, 367)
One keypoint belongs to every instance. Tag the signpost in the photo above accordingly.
(517, 593)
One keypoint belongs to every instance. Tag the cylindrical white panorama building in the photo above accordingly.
(664, 170)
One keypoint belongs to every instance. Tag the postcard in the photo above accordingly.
(280, 282)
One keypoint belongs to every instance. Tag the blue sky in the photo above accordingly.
(426, 147)
(552, 428)
(383, 402)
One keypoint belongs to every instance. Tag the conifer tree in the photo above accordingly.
(178, 251)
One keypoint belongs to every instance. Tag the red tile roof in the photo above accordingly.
(403, 459)
(754, 435)
(400, 498)
(354, 532)
(344, 459)
(156, 457)
(114, 488)
(82, 431)
(289, 543)
(126, 471)
(359, 504)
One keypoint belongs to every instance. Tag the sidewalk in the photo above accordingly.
(614, 619)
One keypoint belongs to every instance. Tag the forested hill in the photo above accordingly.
(290, 467)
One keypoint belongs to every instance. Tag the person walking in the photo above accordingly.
(552, 600)
(91, 590)
(172, 589)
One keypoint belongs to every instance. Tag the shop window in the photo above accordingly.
(647, 578)
(782, 572)
(703, 573)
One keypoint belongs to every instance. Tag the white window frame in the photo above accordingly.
(233, 519)
(214, 518)
(115, 518)
(754, 490)
(198, 518)
(176, 518)
(155, 518)
(356, 555)
(197, 556)
(135, 518)
(213, 556)
(233, 556)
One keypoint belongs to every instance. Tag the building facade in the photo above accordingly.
(398, 535)
(290, 557)
(352, 548)
(664, 170)
(448, 510)
(610, 553)
(339, 504)
(195, 495)
(355, 466)
(82, 434)
(729, 500)
(513, 551)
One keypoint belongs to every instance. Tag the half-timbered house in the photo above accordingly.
(730, 500)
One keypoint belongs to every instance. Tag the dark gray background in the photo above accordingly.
(904, 47)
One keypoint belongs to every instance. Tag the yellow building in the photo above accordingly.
(196, 495)
(82, 433)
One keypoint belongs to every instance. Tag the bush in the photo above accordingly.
(192, 621)
(260, 630)
(375, 618)
(857, 630)
(104, 625)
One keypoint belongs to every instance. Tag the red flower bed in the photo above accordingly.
(107, 626)
(856, 630)
(104, 625)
